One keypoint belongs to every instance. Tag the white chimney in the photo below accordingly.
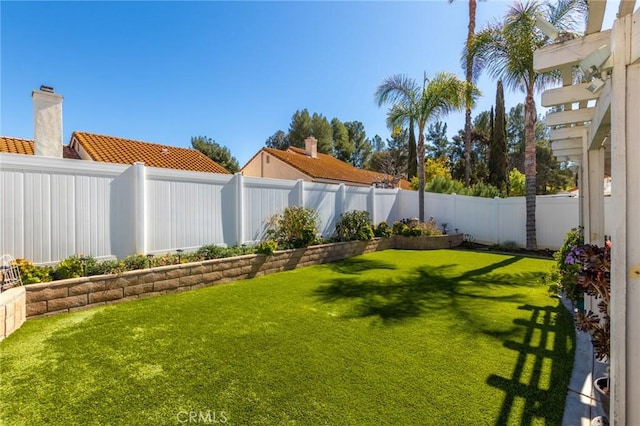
(311, 146)
(47, 122)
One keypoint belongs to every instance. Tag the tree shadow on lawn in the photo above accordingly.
(430, 289)
(424, 290)
(355, 265)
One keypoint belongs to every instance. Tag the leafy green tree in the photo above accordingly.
(553, 177)
(300, 128)
(323, 132)
(516, 183)
(362, 147)
(498, 143)
(304, 125)
(342, 146)
(218, 153)
(506, 50)
(438, 146)
(279, 140)
(436, 167)
(422, 103)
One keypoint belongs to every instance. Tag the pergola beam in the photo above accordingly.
(573, 152)
(568, 133)
(601, 123)
(570, 52)
(625, 7)
(566, 144)
(635, 37)
(570, 117)
(596, 16)
(567, 95)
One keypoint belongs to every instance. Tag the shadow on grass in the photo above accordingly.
(548, 326)
(425, 290)
(355, 265)
(537, 388)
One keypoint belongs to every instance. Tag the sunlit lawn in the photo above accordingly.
(395, 337)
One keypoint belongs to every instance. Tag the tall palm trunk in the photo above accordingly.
(530, 166)
(421, 152)
(469, 77)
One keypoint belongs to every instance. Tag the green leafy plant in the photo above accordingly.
(71, 267)
(566, 268)
(398, 228)
(296, 227)
(595, 280)
(266, 247)
(383, 230)
(104, 267)
(32, 274)
(135, 261)
(354, 225)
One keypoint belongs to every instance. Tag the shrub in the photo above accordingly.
(134, 262)
(165, 260)
(383, 230)
(103, 268)
(398, 228)
(210, 251)
(266, 247)
(71, 267)
(504, 246)
(296, 227)
(354, 225)
(566, 270)
(32, 274)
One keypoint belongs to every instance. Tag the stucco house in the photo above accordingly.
(311, 166)
(94, 147)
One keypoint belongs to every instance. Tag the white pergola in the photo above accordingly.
(599, 129)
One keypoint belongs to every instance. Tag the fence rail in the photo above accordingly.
(53, 208)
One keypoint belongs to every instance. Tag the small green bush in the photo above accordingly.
(399, 228)
(383, 230)
(71, 267)
(354, 225)
(211, 251)
(296, 227)
(135, 262)
(32, 274)
(266, 247)
(104, 268)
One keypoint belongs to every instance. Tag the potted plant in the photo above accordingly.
(595, 280)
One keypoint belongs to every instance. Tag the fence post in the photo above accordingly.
(340, 197)
(496, 220)
(300, 192)
(239, 204)
(371, 204)
(139, 207)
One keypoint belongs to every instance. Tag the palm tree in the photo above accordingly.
(506, 50)
(422, 103)
(468, 66)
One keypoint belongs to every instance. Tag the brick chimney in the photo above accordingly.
(47, 122)
(311, 147)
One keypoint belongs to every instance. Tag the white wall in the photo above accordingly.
(53, 208)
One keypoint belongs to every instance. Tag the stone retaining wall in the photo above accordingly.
(427, 243)
(13, 310)
(80, 293)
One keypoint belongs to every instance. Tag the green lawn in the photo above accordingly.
(396, 337)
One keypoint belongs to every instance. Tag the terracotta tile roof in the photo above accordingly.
(328, 167)
(26, 146)
(110, 149)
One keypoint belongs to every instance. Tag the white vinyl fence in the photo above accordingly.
(53, 208)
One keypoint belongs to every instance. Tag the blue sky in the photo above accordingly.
(233, 71)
